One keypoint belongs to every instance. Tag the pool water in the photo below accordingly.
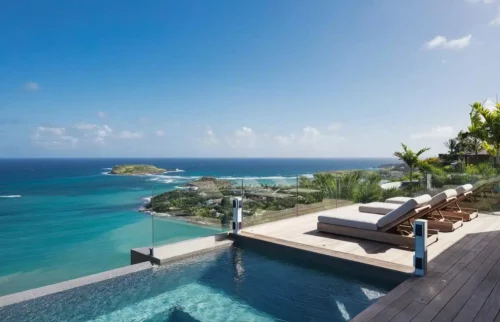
(233, 284)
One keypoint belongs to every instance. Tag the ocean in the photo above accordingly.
(66, 218)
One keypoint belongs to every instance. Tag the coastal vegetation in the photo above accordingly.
(410, 158)
(472, 158)
(136, 169)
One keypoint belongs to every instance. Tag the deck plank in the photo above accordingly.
(453, 307)
(491, 307)
(430, 285)
(449, 273)
(469, 311)
(477, 258)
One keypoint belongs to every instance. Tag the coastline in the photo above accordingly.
(214, 222)
(200, 221)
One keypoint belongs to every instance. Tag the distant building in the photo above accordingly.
(482, 157)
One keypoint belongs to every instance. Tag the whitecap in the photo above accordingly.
(11, 196)
(107, 168)
(257, 178)
(176, 170)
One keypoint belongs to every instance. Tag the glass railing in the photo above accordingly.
(203, 207)
(193, 209)
(270, 199)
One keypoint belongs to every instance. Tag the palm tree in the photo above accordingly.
(410, 158)
(452, 145)
(469, 142)
(485, 124)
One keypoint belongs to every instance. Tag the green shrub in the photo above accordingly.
(392, 192)
(485, 170)
(367, 192)
(458, 179)
(438, 181)
(471, 169)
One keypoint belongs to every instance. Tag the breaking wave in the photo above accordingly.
(11, 196)
(257, 178)
(176, 170)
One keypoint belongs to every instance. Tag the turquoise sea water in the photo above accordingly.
(66, 218)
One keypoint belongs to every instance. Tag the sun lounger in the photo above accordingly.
(450, 209)
(395, 227)
(454, 210)
(436, 219)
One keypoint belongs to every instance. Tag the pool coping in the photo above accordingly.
(174, 251)
(70, 284)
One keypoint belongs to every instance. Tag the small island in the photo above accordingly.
(136, 169)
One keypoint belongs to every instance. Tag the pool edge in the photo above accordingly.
(325, 252)
(31, 294)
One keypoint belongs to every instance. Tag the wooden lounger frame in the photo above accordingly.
(453, 209)
(440, 221)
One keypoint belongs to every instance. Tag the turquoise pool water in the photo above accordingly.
(234, 284)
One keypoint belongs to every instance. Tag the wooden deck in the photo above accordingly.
(463, 282)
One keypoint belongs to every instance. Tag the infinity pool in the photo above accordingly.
(233, 284)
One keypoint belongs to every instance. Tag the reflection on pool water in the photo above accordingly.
(233, 284)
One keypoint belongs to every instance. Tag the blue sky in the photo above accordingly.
(242, 78)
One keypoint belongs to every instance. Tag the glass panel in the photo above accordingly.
(191, 209)
(317, 192)
(266, 200)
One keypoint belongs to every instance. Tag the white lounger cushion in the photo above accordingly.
(403, 210)
(442, 196)
(383, 208)
(449, 193)
(463, 189)
(349, 216)
(380, 208)
(397, 200)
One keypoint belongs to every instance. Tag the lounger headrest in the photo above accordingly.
(463, 189)
(449, 193)
(420, 200)
(404, 209)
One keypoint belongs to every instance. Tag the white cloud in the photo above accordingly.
(52, 130)
(335, 126)
(31, 86)
(209, 137)
(285, 140)
(53, 137)
(242, 138)
(437, 132)
(440, 42)
(129, 135)
(496, 20)
(85, 126)
(160, 133)
(435, 42)
(310, 142)
(95, 133)
(101, 114)
(481, 1)
(444, 61)
(309, 134)
(244, 131)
